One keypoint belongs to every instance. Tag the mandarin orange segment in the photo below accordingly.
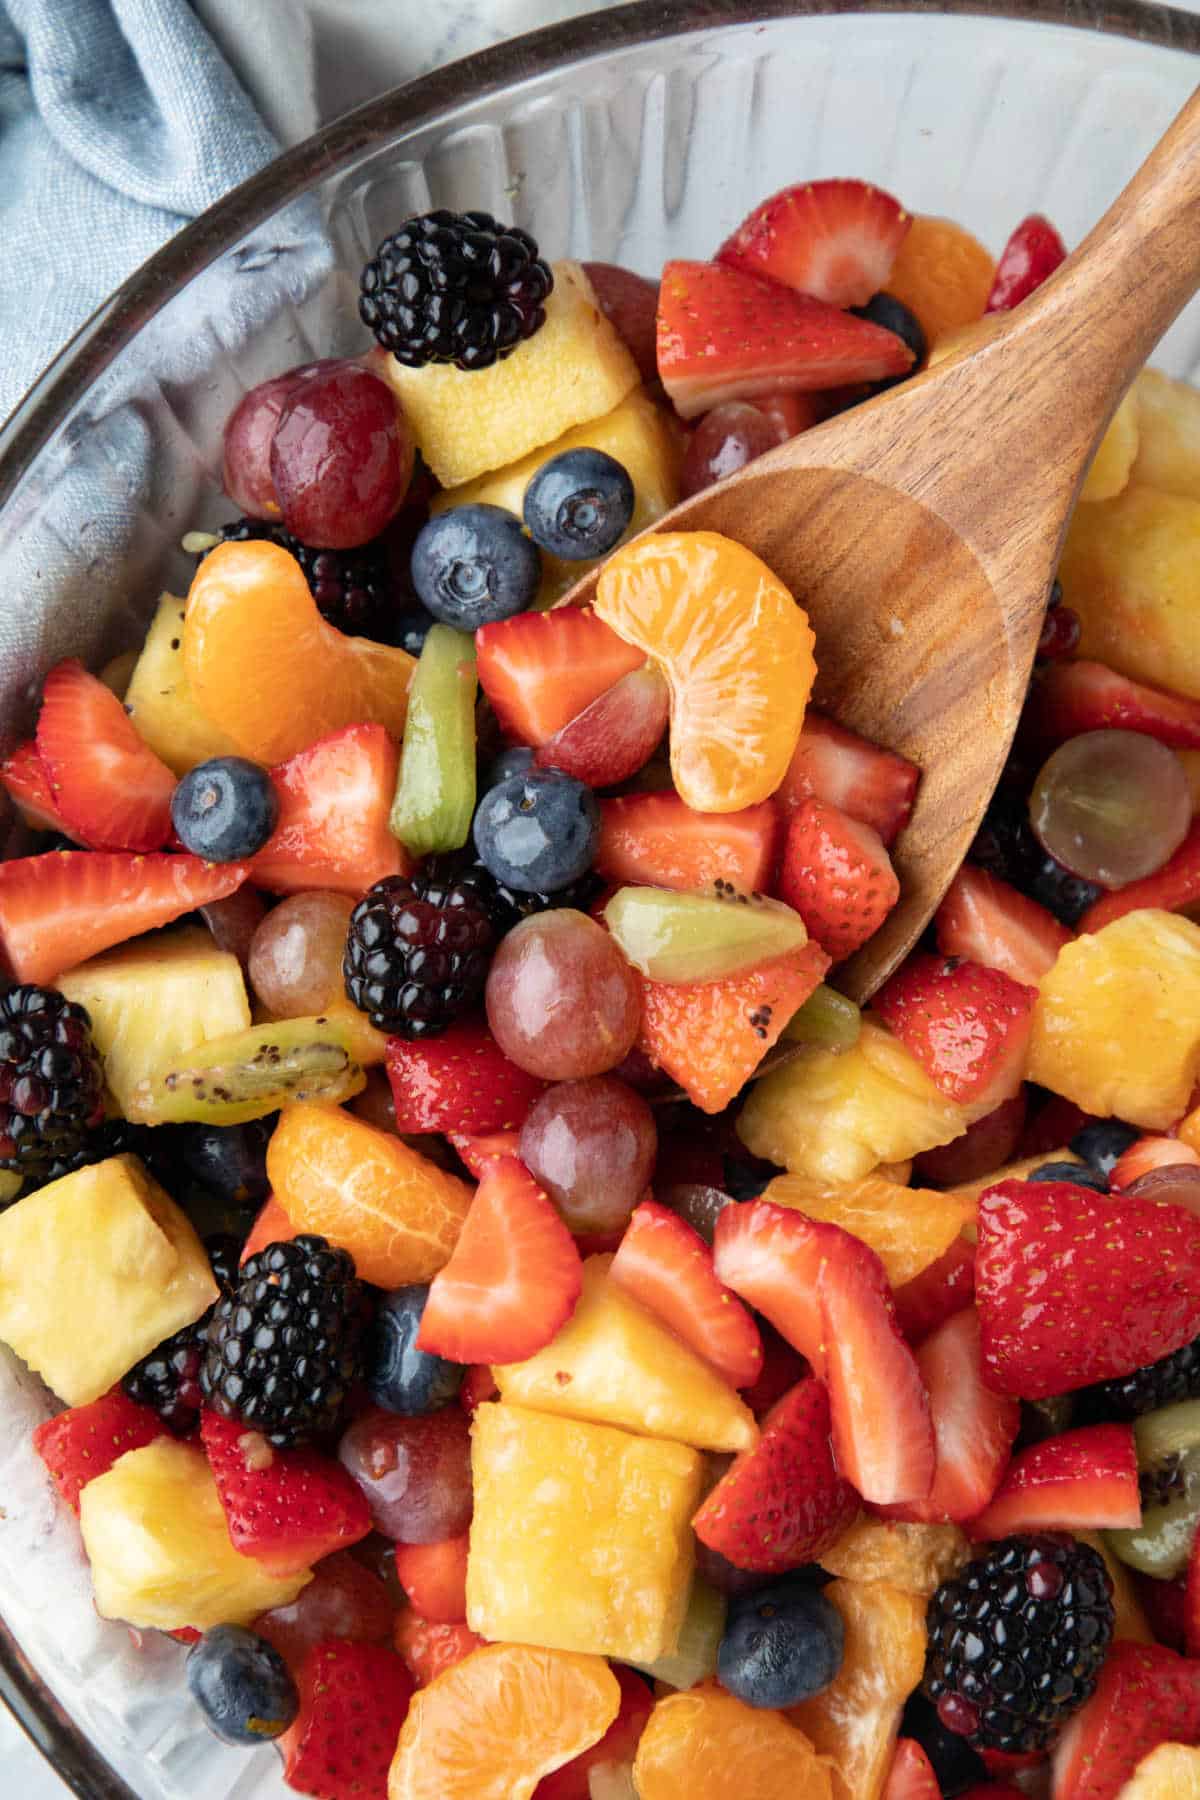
(705, 1745)
(365, 1190)
(492, 1725)
(854, 1721)
(264, 667)
(943, 274)
(915, 1558)
(737, 652)
(908, 1228)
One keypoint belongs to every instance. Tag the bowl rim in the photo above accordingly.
(287, 178)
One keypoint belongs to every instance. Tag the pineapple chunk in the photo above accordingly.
(1131, 569)
(908, 1228)
(914, 1558)
(613, 1362)
(154, 999)
(581, 1537)
(1115, 454)
(155, 1534)
(159, 702)
(836, 1115)
(95, 1270)
(467, 420)
(1116, 1027)
(1168, 1772)
(1168, 455)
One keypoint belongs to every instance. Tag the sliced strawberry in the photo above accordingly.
(724, 335)
(657, 840)
(771, 1256)
(874, 786)
(461, 1081)
(937, 1293)
(1073, 697)
(1052, 1255)
(987, 1144)
(1174, 887)
(1084, 1480)
(668, 1267)
(602, 1769)
(838, 876)
(24, 778)
(779, 1505)
(58, 909)
(836, 240)
(911, 1776)
(479, 1386)
(271, 1226)
(1147, 1153)
(482, 1152)
(334, 801)
(1033, 251)
(286, 1508)
(107, 783)
(428, 1649)
(512, 1280)
(616, 735)
(540, 670)
(985, 919)
(353, 1700)
(629, 302)
(967, 1026)
(85, 1441)
(1146, 1696)
(434, 1576)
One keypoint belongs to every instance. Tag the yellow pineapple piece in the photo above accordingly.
(153, 999)
(159, 700)
(908, 1228)
(1168, 455)
(854, 1721)
(836, 1115)
(1116, 1027)
(155, 1534)
(914, 1558)
(118, 670)
(95, 1270)
(467, 420)
(1169, 1772)
(581, 1537)
(613, 1362)
(1130, 1621)
(1131, 569)
(1115, 454)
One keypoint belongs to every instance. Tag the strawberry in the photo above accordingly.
(1175, 887)
(107, 784)
(1081, 1480)
(724, 335)
(271, 1226)
(658, 841)
(512, 1280)
(1165, 1605)
(782, 1368)
(771, 1256)
(779, 1505)
(480, 1152)
(616, 735)
(85, 1441)
(1147, 1153)
(911, 1776)
(838, 876)
(332, 831)
(24, 778)
(835, 240)
(428, 1649)
(1146, 1696)
(1073, 697)
(610, 1759)
(668, 1267)
(967, 1026)
(353, 1699)
(987, 1144)
(461, 1081)
(540, 670)
(973, 1429)
(1191, 1600)
(1056, 1121)
(937, 1293)
(1052, 1255)
(479, 1385)
(986, 920)
(58, 909)
(434, 1576)
(1033, 251)
(829, 763)
(286, 1508)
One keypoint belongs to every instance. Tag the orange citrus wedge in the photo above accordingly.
(708, 1744)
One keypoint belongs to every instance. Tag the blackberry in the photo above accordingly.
(51, 1085)
(1005, 845)
(168, 1379)
(506, 905)
(354, 589)
(283, 1350)
(454, 288)
(417, 953)
(1017, 1641)
(1162, 1383)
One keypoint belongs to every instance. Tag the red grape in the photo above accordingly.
(1112, 806)
(562, 1001)
(415, 1473)
(296, 954)
(629, 302)
(248, 433)
(376, 1104)
(724, 441)
(233, 921)
(341, 458)
(1176, 1184)
(591, 1144)
(343, 1600)
(699, 1206)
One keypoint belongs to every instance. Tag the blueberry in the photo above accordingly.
(1102, 1143)
(230, 1160)
(401, 1378)
(474, 565)
(956, 1766)
(884, 309)
(515, 761)
(782, 1644)
(241, 1685)
(537, 832)
(1078, 1174)
(579, 504)
(1067, 896)
(225, 809)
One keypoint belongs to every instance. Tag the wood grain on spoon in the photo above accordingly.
(921, 531)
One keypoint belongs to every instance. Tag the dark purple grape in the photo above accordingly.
(341, 458)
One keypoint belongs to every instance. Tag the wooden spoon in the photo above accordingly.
(921, 531)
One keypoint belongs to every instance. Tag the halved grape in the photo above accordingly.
(1111, 806)
(591, 1144)
(249, 1074)
(678, 937)
(827, 1019)
(435, 796)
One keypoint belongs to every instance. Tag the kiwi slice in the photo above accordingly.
(827, 1019)
(1168, 1451)
(249, 1074)
(678, 937)
(694, 1658)
(435, 796)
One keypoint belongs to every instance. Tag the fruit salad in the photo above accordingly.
(520, 1327)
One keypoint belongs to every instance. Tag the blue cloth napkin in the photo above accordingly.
(119, 122)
